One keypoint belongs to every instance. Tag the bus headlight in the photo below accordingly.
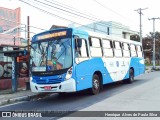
(69, 74)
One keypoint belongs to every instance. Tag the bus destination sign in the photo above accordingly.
(52, 35)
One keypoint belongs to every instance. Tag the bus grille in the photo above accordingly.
(40, 80)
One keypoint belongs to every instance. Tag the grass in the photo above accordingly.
(151, 64)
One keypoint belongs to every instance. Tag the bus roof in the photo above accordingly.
(111, 37)
(94, 34)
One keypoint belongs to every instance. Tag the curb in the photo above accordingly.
(24, 98)
(13, 100)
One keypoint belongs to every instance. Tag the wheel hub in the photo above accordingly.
(96, 84)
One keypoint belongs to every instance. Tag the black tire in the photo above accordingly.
(95, 85)
(131, 77)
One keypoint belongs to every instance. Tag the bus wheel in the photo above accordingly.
(131, 76)
(95, 85)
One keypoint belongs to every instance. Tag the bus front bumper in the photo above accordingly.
(66, 86)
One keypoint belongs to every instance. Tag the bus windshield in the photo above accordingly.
(51, 55)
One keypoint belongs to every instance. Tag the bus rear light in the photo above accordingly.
(69, 73)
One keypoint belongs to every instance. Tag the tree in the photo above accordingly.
(148, 46)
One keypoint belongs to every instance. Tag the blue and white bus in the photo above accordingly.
(69, 60)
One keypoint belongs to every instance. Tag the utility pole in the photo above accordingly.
(153, 59)
(28, 31)
(28, 48)
(140, 13)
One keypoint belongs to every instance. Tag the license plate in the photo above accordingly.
(47, 87)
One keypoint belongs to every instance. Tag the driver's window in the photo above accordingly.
(83, 49)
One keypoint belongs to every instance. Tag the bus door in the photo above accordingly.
(82, 63)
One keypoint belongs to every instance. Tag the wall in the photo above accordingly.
(7, 15)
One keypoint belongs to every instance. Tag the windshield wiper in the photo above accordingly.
(34, 49)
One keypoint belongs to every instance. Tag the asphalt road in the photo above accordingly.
(142, 94)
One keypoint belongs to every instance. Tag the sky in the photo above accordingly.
(122, 11)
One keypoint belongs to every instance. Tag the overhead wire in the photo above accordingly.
(21, 23)
(59, 16)
(92, 19)
(72, 9)
(104, 6)
(113, 11)
(86, 26)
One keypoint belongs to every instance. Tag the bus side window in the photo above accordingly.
(118, 50)
(126, 51)
(107, 48)
(84, 50)
(81, 48)
(139, 51)
(133, 50)
(95, 47)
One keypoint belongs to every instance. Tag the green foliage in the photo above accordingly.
(147, 64)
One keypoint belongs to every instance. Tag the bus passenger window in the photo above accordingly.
(107, 48)
(133, 50)
(126, 52)
(118, 50)
(96, 48)
(139, 51)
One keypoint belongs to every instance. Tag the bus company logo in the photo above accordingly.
(59, 76)
(117, 62)
(6, 114)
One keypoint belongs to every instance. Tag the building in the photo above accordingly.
(10, 20)
(9, 24)
(110, 28)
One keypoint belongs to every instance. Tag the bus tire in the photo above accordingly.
(131, 76)
(95, 85)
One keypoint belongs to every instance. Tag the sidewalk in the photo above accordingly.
(7, 97)
(150, 69)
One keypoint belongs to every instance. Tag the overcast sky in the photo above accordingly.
(122, 11)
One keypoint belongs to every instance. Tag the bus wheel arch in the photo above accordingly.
(96, 83)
